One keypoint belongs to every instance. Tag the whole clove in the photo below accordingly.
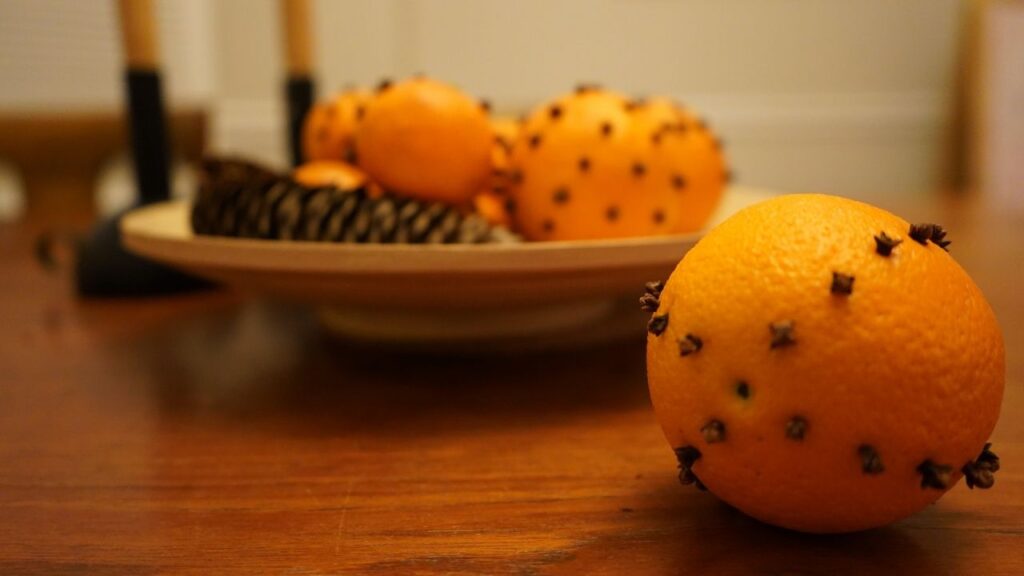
(687, 456)
(678, 181)
(939, 237)
(885, 243)
(782, 334)
(921, 233)
(690, 344)
(657, 324)
(651, 298)
(980, 473)
(713, 431)
(870, 461)
(796, 428)
(743, 389)
(649, 303)
(842, 284)
(934, 475)
(631, 105)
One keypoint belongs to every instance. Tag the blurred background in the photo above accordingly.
(860, 98)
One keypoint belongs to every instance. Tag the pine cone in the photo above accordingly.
(240, 199)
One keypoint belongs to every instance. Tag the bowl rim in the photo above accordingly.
(162, 231)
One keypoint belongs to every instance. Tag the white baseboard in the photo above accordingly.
(842, 143)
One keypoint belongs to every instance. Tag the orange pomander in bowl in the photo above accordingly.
(686, 147)
(328, 132)
(492, 202)
(594, 164)
(426, 140)
(506, 130)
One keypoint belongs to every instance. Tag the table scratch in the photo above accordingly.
(341, 519)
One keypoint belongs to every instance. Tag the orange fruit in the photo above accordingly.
(492, 202)
(594, 164)
(493, 208)
(329, 173)
(329, 128)
(689, 145)
(821, 365)
(506, 130)
(427, 140)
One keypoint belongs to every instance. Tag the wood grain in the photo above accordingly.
(215, 434)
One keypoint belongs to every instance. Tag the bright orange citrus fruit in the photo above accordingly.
(822, 365)
(595, 164)
(493, 208)
(329, 173)
(506, 130)
(427, 140)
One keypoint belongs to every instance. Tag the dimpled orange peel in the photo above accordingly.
(329, 129)
(427, 140)
(825, 366)
(595, 164)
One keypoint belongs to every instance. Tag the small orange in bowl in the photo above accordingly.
(426, 140)
(493, 208)
(329, 173)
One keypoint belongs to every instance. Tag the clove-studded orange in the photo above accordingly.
(825, 366)
(595, 164)
(506, 130)
(328, 131)
(427, 140)
(493, 202)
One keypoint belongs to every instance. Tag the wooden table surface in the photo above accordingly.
(212, 432)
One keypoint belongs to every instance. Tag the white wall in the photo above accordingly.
(66, 54)
(1001, 131)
